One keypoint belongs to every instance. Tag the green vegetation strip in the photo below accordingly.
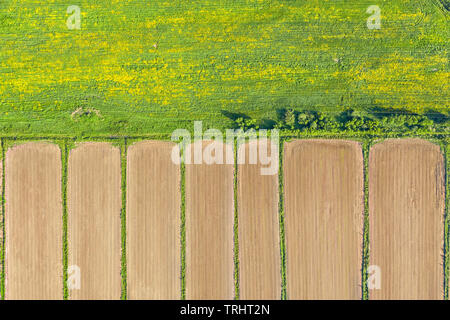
(123, 218)
(183, 226)
(64, 160)
(2, 224)
(366, 242)
(281, 219)
(445, 147)
(296, 121)
(236, 224)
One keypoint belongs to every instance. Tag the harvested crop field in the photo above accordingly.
(94, 225)
(259, 233)
(153, 222)
(323, 219)
(406, 201)
(209, 230)
(33, 228)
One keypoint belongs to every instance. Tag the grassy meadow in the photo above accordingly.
(141, 67)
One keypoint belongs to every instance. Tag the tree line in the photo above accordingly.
(350, 121)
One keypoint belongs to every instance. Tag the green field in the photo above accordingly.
(144, 67)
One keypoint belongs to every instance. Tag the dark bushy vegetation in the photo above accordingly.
(446, 4)
(351, 121)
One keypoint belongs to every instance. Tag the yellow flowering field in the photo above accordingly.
(138, 67)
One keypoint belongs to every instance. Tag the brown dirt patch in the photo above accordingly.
(323, 219)
(406, 200)
(94, 207)
(259, 233)
(153, 222)
(33, 215)
(209, 230)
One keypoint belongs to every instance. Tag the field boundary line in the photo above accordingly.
(2, 252)
(183, 226)
(283, 134)
(123, 218)
(237, 291)
(366, 239)
(446, 256)
(286, 134)
(64, 166)
(282, 217)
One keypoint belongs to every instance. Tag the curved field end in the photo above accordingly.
(33, 227)
(94, 226)
(406, 201)
(259, 233)
(153, 222)
(323, 219)
(209, 229)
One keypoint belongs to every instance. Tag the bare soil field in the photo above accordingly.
(406, 201)
(209, 230)
(323, 219)
(94, 206)
(153, 222)
(33, 215)
(259, 233)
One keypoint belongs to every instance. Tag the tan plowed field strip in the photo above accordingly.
(406, 201)
(94, 226)
(153, 222)
(259, 233)
(33, 227)
(209, 230)
(323, 219)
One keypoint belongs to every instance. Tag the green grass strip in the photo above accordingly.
(64, 163)
(281, 219)
(183, 226)
(366, 244)
(123, 218)
(2, 222)
(236, 224)
(446, 257)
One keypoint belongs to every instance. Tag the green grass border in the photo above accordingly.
(123, 218)
(366, 239)
(183, 226)
(283, 133)
(65, 146)
(65, 248)
(237, 290)
(282, 218)
(446, 255)
(2, 223)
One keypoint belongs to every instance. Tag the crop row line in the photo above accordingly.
(446, 257)
(2, 224)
